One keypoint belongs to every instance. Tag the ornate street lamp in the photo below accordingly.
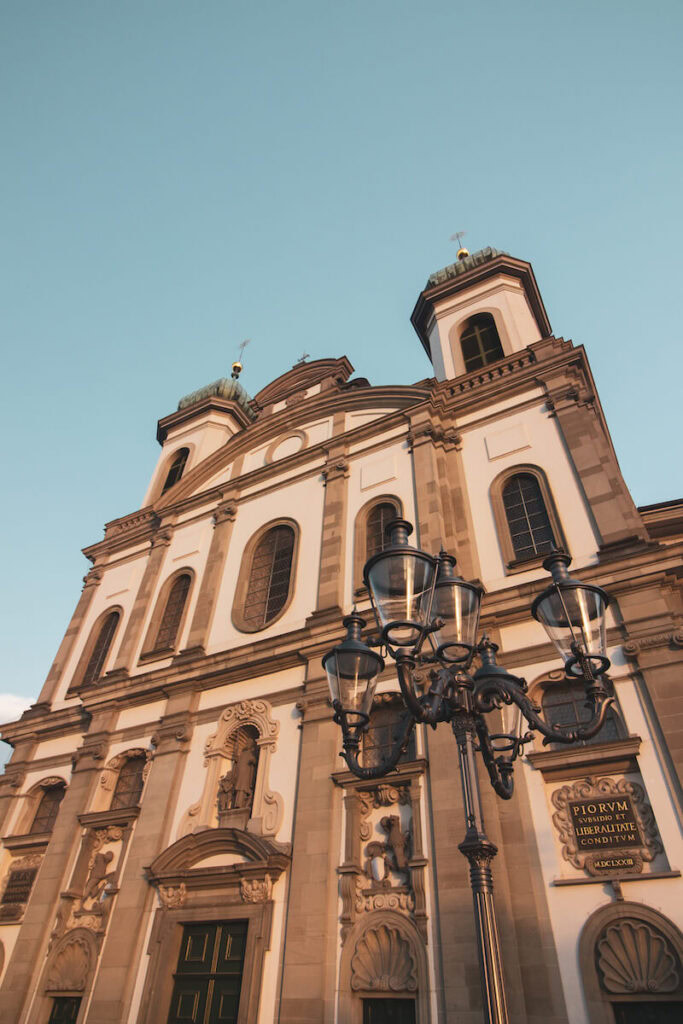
(428, 618)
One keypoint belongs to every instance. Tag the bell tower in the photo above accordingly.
(480, 309)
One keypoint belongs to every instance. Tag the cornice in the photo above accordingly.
(39, 726)
(189, 412)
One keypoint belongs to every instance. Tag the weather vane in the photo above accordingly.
(237, 365)
(302, 359)
(462, 251)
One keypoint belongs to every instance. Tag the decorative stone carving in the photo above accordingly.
(256, 890)
(635, 957)
(110, 772)
(221, 754)
(383, 795)
(225, 512)
(70, 967)
(597, 790)
(236, 787)
(383, 962)
(392, 852)
(388, 899)
(173, 896)
(644, 643)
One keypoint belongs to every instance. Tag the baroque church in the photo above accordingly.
(180, 839)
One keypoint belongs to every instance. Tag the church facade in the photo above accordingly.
(181, 840)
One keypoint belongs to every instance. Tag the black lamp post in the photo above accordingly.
(428, 618)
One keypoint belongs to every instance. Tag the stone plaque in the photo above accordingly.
(610, 822)
(19, 885)
(606, 826)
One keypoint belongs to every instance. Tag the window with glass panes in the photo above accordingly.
(65, 1010)
(564, 705)
(46, 815)
(386, 724)
(129, 783)
(271, 567)
(96, 661)
(176, 469)
(480, 342)
(375, 530)
(527, 516)
(173, 613)
(208, 978)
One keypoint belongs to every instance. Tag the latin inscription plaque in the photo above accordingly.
(600, 824)
(19, 885)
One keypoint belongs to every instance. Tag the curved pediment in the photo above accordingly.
(327, 372)
(232, 843)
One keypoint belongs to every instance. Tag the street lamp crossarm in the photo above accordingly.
(351, 750)
(498, 766)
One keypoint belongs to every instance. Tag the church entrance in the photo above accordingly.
(209, 974)
(388, 1011)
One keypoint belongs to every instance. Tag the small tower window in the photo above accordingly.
(98, 657)
(129, 783)
(173, 613)
(375, 536)
(176, 469)
(46, 815)
(564, 705)
(269, 577)
(527, 516)
(480, 342)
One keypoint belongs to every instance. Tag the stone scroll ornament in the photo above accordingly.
(606, 826)
(226, 763)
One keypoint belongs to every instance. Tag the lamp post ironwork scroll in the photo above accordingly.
(428, 619)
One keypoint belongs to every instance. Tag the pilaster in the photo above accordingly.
(91, 581)
(333, 545)
(223, 519)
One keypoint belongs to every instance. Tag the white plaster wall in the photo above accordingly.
(301, 501)
(536, 440)
(387, 470)
(141, 715)
(317, 432)
(261, 687)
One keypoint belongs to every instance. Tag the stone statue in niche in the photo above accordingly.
(236, 788)
(99, 877)
(393, 854)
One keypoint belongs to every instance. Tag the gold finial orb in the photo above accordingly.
(236, 369)
(462, 253)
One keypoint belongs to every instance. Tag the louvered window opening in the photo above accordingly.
(173, 613)
(480, 343)
(376, 539)
(386, 724)
(46, 815)
(565, 705)
(93, 669)
(129, 784)
(269, 578)
(177, 469)
(527, 516)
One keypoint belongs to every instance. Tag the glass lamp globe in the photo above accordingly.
(457, 603)
(400, 580)
(352, 669)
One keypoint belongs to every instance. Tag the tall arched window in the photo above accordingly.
(375, 536)
(369, 535)
(176, 469)
(269, 579)
(100, 649)
(46, 814)
(480, 342)
(527, 516)
(129, 783)
(564, 704)
(173, 612)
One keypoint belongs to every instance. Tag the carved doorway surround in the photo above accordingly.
(631, 959)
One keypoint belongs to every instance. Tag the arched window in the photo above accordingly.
(270, 573)
(173, 612)
(129, 783)
(527, 516)
(100, 649)
(176, 469)
(369, 535)
(386, 724)
(46, 814)
(564, 704)
(480, 342)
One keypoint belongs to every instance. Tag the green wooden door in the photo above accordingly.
(209, 974)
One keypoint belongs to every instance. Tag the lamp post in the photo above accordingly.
(428, 618)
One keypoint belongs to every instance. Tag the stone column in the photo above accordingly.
(136, 619)
(90, 583)
(333, 545)
(312, 925)
(28, 956)
(580, 421)
(223, 519)
(122, 951)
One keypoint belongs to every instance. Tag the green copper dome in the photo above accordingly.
(227, 388)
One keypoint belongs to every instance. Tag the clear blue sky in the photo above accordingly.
(178, 176)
